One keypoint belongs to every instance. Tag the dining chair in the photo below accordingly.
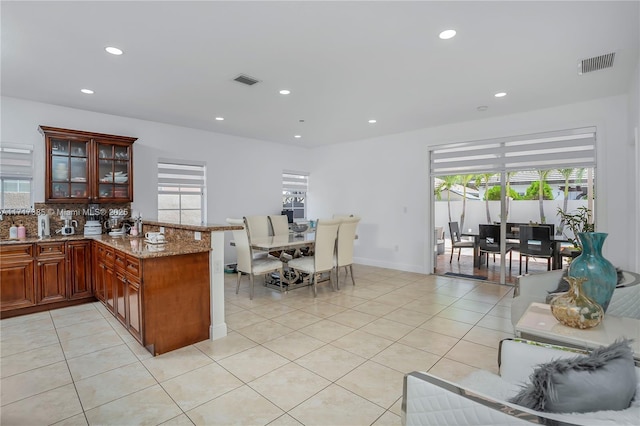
(279, 224)
(489, 240)
(536, 241)
(323, 258)
(456, 241)
(247, 263)
(257, 226)
(280, 227)
(344, 247)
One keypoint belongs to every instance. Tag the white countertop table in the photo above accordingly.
(538, 323)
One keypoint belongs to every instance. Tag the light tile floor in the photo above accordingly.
(289, 359)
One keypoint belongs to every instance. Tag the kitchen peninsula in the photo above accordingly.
(160, 293)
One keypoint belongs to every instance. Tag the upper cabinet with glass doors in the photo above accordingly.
(87, 167)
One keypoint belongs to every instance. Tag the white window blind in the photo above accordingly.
(16, 161)
(550, 150)
(181, 191)
(295, 181)
(181, 172)
(16, 176)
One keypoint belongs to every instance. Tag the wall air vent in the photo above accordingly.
(245, 79)
(596, 63)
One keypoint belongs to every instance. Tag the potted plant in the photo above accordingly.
(577, 222)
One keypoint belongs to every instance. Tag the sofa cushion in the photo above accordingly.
(602, 380)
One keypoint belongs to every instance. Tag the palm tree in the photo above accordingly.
(566, 174)
(447, 183)
(464, 181)
(508, 191)
(484, 178)
(543, 177)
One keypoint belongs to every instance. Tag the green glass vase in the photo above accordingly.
(600, 273)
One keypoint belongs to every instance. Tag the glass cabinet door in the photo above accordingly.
(114, 168)
(69, 169)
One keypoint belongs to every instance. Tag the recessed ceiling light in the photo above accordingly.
(372, 121)
(87, 91)
(113, 50)
(219, 118)
(447, 34)
(500, 94)
(482, 108)
(297, 136)
(285, 92)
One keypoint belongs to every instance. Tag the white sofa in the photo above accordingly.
(480, 399)
(535, 288)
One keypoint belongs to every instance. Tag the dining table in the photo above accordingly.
(274, 243)
(556, 259)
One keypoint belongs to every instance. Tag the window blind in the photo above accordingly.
(550, 150)
(181, 172)
(295, 181)
(16, 161)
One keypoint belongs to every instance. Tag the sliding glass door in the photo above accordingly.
(497, 185)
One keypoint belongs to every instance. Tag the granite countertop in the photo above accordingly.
(209, 227)
(133, 246)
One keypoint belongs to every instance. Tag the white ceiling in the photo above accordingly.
(344, 62)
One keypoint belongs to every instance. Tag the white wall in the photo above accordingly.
(244, 176)
(634, 160)
(384, 180)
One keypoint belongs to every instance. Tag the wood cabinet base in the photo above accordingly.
(46, 307)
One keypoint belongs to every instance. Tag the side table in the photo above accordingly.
(539, 324)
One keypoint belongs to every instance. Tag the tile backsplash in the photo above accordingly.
(30, 218)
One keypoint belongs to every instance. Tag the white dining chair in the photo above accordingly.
(344, 247)
(249, 264)
(323, 258)
(279, 224)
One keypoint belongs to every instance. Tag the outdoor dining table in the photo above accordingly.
(556, 260)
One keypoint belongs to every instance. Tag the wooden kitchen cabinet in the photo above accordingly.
(45, 275)
(16, 277)
(51, 275)
(80, 269)
(162, 301)
(83, 167)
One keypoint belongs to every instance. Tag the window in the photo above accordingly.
(16, 176)
(181, 192)
(294, 193)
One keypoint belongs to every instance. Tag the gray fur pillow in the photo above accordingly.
(603, 380)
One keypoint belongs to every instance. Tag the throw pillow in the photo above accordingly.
(603, 380)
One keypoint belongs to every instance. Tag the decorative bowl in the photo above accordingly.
(299, 228)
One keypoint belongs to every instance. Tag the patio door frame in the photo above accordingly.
(539, 151)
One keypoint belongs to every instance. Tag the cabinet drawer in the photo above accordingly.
(50, 249)
(16, 250)
(133, 266)
(106, 254)
(120, 260)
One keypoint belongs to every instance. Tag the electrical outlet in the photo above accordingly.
(162, 229)
(197, 235)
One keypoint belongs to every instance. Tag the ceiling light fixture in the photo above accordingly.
(500, 94)
(482, 108)
(285, 92)
(373, 121)
(297, 136)
(447, 34)
(113, 50)
(87, 91)
(219, 118)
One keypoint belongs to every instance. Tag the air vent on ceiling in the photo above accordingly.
(245, 79)
(596, 63)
